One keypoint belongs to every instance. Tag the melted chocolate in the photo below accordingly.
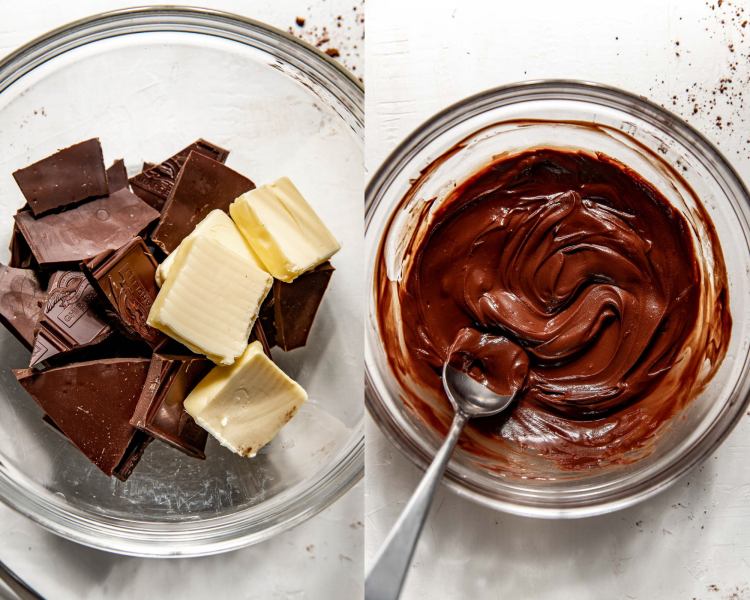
(566, 275)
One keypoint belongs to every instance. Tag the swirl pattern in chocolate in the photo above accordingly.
(569, 277)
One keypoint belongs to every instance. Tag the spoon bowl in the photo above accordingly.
(471, 397)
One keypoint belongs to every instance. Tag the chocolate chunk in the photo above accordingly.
(92, 402)
(202, 185)
(296, 304)
(132, 455)
(117, 175)
(64, 239)
(71, 317)
(160, 412)
(154, 185)
(124, 279)
(21, 256)
(147, 166)
(266, 320)
(21, 297)
(258, 334)
(67, 177)
(129, 460)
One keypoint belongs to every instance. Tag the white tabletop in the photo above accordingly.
(321, 559)
(692, 541)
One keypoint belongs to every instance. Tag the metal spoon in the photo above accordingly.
(17, 585)
(388, 572)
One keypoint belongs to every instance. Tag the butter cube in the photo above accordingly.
(218, 226)
(245, 405)
(211, 299)
(283, 229)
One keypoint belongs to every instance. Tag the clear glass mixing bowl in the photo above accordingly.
(634, 131)
(148, 82)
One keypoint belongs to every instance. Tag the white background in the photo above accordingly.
(321, 559)
(693, 541)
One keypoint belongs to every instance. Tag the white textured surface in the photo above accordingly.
(321, 559)
(692, 541)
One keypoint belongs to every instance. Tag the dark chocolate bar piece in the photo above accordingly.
(160, 408)
(125, 281)
(257, 334)
(154, 185)
(296, 304)
(130, 459)
(67, 177)
(21, 298)
(71, 318)
(117, 175)
(64, 239)
(21, 256)
(266, 319)
(202, 185)
(91, 403)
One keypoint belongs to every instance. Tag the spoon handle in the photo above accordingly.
(17, 585)
(388, 572)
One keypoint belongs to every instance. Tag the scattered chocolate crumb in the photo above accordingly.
(349, 28)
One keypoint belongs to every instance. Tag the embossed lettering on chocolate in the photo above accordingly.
(582, 284)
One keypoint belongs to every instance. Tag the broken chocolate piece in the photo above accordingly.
(257, 334)
(21, 297)
(92, 402)
(147, 166)
(202, 185)
(67, 177)
(160, 413)
(20, 253)
(21, 256)
(117, 175)
(64, 239)
(124, 279)
(296, 304)
(154, 185)
(132, 455)
(129, 460)
(71, 317)
(266, 319)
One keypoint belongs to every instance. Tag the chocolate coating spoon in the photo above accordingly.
(469, 399)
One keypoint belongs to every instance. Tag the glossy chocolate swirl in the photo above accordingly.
(570, 277)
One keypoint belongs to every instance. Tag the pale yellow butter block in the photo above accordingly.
(283, 229)
(211, 299)
(219, 226)
(243, 406)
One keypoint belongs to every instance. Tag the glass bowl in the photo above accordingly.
(560, 114)
(148, 82)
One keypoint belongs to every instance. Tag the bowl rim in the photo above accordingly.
(432, 129)
(139, 538)
(59, 34)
